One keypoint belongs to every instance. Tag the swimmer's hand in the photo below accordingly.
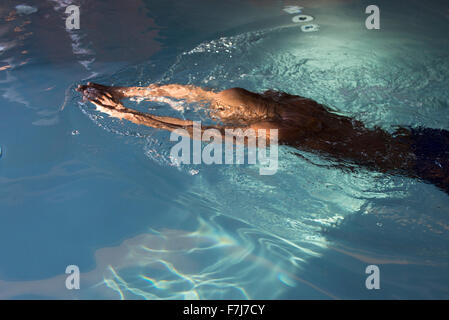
(92, 91)
(102, 97)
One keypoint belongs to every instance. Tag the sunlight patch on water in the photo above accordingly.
(213, 264)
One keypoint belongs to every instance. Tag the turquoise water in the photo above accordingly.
(77, 188)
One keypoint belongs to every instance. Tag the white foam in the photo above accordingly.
(25, 9)
(176, 105)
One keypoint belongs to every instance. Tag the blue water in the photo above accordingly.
(77, 188)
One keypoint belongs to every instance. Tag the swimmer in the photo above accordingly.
(301, 122)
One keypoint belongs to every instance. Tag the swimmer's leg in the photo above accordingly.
(431, 148)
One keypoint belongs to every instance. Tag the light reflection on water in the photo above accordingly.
(206, 263)
(220, 265)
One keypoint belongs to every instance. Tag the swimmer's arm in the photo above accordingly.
(106, 103)
(189, 93)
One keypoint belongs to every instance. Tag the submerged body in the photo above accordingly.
(301, 123)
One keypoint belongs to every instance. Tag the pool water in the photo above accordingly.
(78, 188)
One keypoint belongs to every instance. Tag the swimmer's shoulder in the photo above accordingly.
(236, 94)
